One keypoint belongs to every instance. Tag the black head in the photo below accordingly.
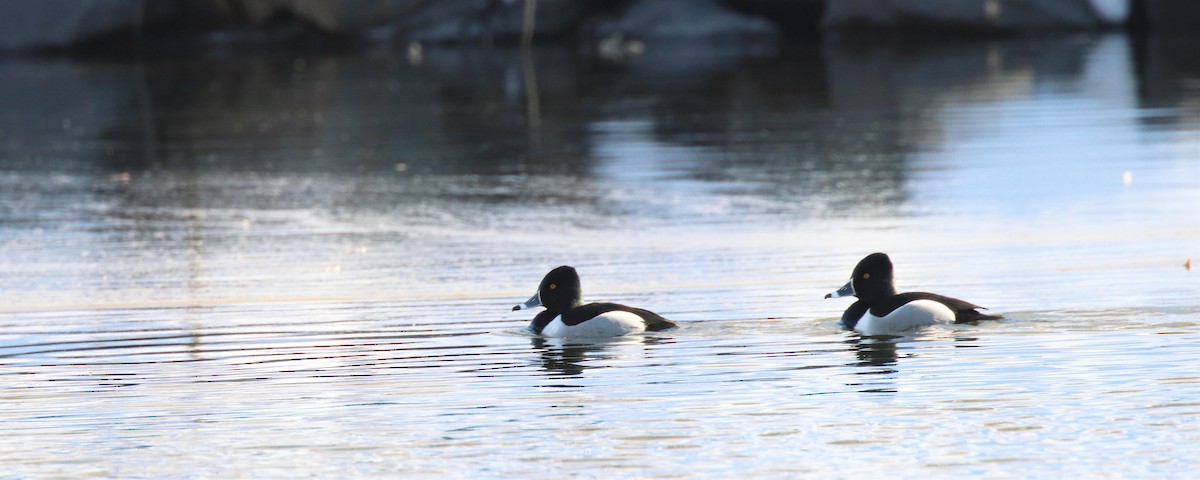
(872, 279)
(558, 292)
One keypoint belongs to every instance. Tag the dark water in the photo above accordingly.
(292, 266)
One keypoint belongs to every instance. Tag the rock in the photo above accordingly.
(658, 20)
(1010, 15)
(32, 24)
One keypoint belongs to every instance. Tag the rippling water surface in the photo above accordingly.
(281, 266)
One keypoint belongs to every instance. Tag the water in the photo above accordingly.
(303, 266)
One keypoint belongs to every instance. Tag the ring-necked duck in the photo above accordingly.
(880, 310)
(567, 316)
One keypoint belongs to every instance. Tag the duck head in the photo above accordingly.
(558, 292)
(872, 280)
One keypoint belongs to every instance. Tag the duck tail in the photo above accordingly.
(656, 323)
(973, 316)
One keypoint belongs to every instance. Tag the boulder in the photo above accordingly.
(974, 15)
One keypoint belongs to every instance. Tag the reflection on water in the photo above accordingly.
(873, 352)
(303, 266)
(569, 358)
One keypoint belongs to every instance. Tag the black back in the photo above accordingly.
(964, 312)
(583, 313)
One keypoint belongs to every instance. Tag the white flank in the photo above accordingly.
(917, 313)
(611, 324)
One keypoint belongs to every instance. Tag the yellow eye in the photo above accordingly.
(553, 286)
(866, 276)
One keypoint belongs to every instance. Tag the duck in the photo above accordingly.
(566, 316)
(880, 310)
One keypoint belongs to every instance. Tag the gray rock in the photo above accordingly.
(657, 20)
(31, 24)
(974, 14)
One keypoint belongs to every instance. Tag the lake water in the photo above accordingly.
(284, 266)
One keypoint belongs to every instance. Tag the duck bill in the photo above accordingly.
(534, 301)
(847, 290)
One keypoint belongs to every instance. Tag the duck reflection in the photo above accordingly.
(875, 351)
(568, 358)
(876, 356)
(879, 355)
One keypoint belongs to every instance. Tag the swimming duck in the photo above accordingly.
(567, 316)
(880, 310)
